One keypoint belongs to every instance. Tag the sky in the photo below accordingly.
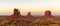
(36, 7)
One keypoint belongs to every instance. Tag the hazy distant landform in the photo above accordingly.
(16, 19)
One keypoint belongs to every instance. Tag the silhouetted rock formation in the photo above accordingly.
(29, 14)
(16, 13)
(47, 13)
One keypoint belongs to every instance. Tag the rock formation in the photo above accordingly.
(29, 14)
(47, 13)
(16, 13)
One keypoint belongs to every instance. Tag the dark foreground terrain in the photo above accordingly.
(30, 21)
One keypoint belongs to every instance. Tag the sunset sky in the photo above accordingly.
(34, 6)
